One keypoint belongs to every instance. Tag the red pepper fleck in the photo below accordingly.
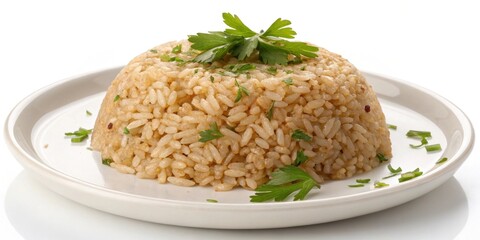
(110, 125)
(367, 108)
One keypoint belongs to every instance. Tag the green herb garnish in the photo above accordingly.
(380, 184)
(363, 180)
(269, 112)
(153, 51)
(212, 200)
(79, 135)
(423, 142)
(241, 68)
(433, 147)
(381, 157)
(423, 135)
(288, 81)
(394, 171)
(442, 160)
(356, 185)
(240, 42)
(210, 134)
(301, 158)
(300, 135)
(126, 130)
(107, 161)
(116, 98)
(88, 113)
(285, 181)
(212, 79)
(391, 126)
(272, 70)
(177, 49)
(240, 92)
(410, 175)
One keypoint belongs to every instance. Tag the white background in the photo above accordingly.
(434, 44)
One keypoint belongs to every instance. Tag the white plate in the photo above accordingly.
(35, 134)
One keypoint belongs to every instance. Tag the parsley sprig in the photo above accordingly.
(284, 182)
(240, 41)
(210, 134)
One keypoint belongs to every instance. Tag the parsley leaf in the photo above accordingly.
(210, 134)
(269, 112)
(288, 81)
(240, 41)
(300, 135)
(241, 91)
(301, 158)
(284, 182)
(177, 49)
(107, 161)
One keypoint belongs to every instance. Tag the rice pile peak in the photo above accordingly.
(230, 122)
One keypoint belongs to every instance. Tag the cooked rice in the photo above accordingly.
(165, 104)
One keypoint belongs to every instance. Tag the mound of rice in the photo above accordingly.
(154, 110)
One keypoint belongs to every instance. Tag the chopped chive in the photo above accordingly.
(419, 134)
(441, 160)
(381, 157)
(410, 175)
(380, 184)
(433, 147)
(212, 200)
(391, 126)
(288, 81)
(79, 135)
(356, 185)
(364, 180)
(423, 142)
(126, 130)
(269, 113)
(88, 113)
(116, 98)
(107, 161)
(393, 170)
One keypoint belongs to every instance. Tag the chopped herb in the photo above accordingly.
(165, 58)
(394, 171)
(423, 142)
(212, 200)
(88, 113)
(269, 112)
(240, 42)
(364, 180)
(212, 79)
(301, 158)
(241, 68)
(153, 51)
(442, 160)
(242, 91)
(289, 71)
(380, 184)
(300, 135)
(302, 68)
(177, 49)
(433, 147)
(419, 134)
(195, 71)
(288, 81)
(210, 134)
(89, 148)
(381, 157)
(79, 135)
(272, 70)
(356, 185)
(391, 126)
(116, 98)
(410, 175)
(283, 183)
(107, 161)
(126, 130)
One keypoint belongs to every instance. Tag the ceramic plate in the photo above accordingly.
(35, 134)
